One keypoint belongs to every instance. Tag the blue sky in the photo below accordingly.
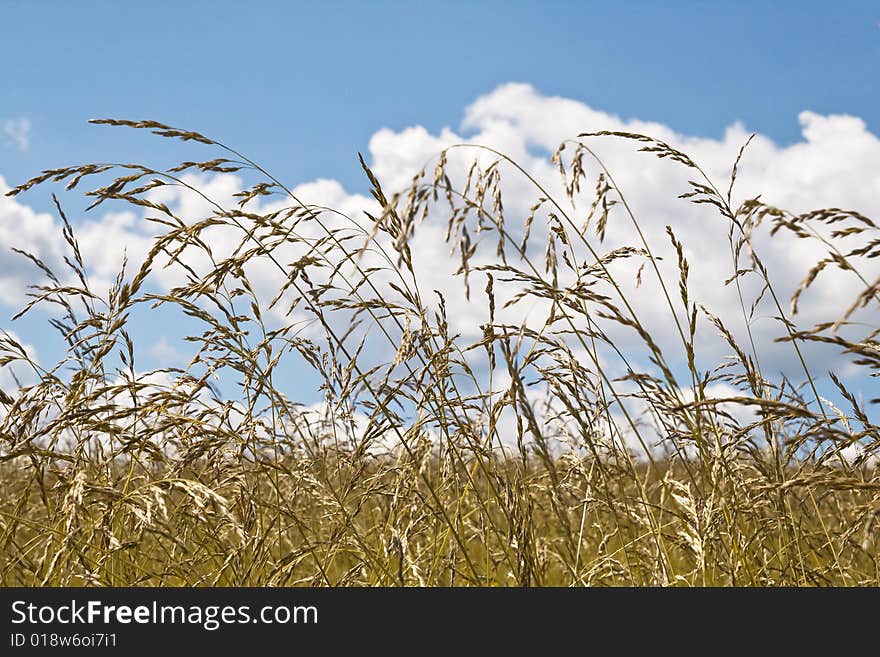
(302, 87)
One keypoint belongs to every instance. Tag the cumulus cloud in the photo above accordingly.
(835, 163)
(25, 229)
(17, 132)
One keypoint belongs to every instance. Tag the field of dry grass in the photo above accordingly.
(516, 458)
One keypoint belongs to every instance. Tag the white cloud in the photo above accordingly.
(858, 453)
(836, 163)
(165, 352)
(17, 132)
(34, 232)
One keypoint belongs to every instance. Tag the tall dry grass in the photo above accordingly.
(520, 457)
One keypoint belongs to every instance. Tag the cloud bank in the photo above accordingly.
(836, 163)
